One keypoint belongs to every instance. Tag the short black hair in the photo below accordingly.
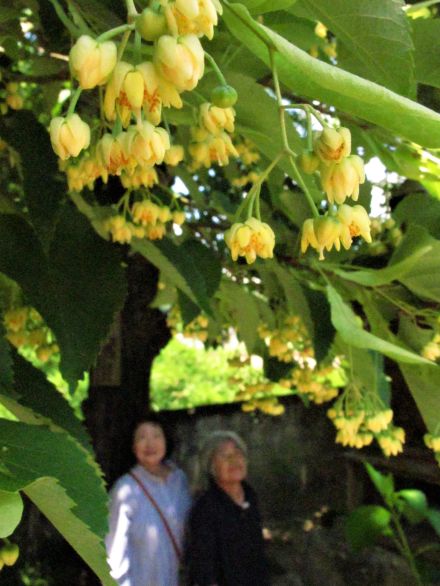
(155, 419)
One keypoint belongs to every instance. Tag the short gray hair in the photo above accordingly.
(208, 450)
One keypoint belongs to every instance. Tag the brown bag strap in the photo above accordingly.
(161, 515)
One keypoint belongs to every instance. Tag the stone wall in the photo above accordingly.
(295, 465)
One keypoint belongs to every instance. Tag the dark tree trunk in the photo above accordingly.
(111, 411)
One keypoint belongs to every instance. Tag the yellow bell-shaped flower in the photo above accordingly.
(321, 233)
(332, 145)
(69, 136)
(355, 222)
(342, 180)
(180, 61)
(92, 62)
(250, 239)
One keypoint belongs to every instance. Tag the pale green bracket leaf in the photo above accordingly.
(426, 34)
(178, 269)
(423, 278)
(346, 323)
(374, 39)
(241, 307)
(11, 510)
(262, 6)
(312, 78)
(378, 277)
(56, 473)
(424, 384)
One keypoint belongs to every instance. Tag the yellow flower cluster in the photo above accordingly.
(269, 406)
(148, 220)
(25, 329)
(287, 341)
(250, 239)
(133, 97)
(432, 441)
(197, 329)
(314, 383)
(14, 99)
(386, 234)
(247, 152)
(211, 142)
(358, 427)
(9, 553)
(251, 177)
(341, 174)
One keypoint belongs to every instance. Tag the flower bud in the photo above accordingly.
(224, 96)
(92, 62)
(151, 24)
(69, 136)
(308, 162)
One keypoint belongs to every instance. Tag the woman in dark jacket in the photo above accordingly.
(225, 542)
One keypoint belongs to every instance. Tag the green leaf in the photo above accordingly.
(426, 35)
(414, 504)
(262, 6)
(6, 373)
(423, 278)
(242, 309)
(56, 474)
(365, 524)
(178, 269)
(424, 384)
(35, 400)
(394, 271)
(206, 262)
(316, 80)
(43, 192)
(384, 483)
(433, 517)
(347, 324)
(323, 330)
(77, 286)
(11, 510)
(188, 309)
(420, 209)
(98, 14)
(374, 39)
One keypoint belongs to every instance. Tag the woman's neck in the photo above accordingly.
(160, 470)
(234, 490)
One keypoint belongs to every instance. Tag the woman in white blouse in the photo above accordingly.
(149, 506)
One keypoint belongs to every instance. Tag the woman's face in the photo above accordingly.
(229, 464)
(149, 445)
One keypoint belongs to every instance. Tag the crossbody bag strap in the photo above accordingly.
(161, 515)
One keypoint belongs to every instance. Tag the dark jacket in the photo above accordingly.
(225, 542)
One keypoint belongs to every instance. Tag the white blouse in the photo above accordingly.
(140, 552)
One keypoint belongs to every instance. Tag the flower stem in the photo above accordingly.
(289, 152)
(114, 32)
(73, 101)
(131, 10)
(216, 69)
(73, 30)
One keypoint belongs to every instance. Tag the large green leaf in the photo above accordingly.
(384, 483)
(414, 504)
(35, 400)
(43, 192)
(420, 209)
(11, 510)
(426, 34)
(423, 278)
(55, 473)
(347, 324)
(241, 308)
(365, 524)
(178, 268)
(374, 39)
(424, 384)
(323, 330)
(314, 79)
(77, 286)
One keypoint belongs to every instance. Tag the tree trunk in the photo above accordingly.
(111, 411)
